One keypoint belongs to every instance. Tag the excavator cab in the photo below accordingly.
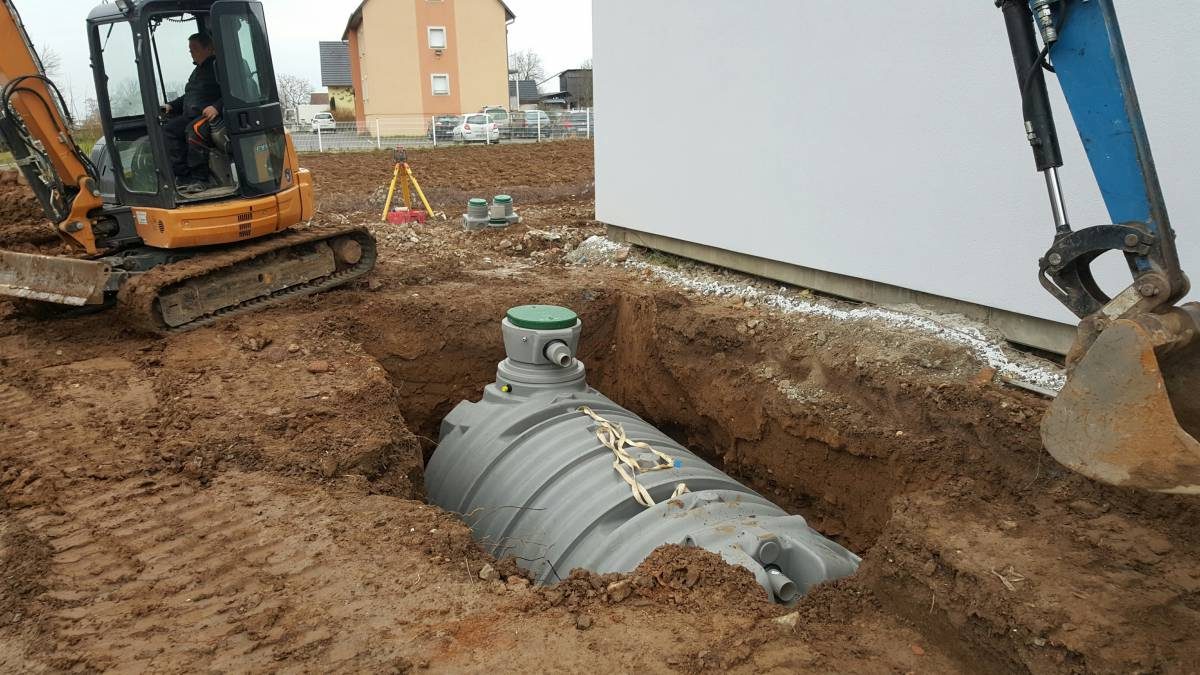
(141, 62)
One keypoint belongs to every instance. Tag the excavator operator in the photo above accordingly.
(189, 118)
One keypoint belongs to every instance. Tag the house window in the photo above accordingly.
(437, 37)
(441, 84)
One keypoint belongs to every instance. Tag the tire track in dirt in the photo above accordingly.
(155, 573)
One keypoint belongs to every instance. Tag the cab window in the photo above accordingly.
(244, 58)
(120, 67)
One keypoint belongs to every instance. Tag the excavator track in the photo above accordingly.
(251, 276)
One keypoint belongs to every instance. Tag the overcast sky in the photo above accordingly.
(559, 30)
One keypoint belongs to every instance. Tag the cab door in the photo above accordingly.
(251, 110)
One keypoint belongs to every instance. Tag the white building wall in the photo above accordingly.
(880, 140)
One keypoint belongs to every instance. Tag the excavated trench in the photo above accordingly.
(798, 421)
(898, 446)
(830, 423)
(977, 549)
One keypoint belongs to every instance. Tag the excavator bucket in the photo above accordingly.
(66, 281)
(1129, 414)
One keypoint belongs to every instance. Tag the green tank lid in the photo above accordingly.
(502, 199)
(542, 317)
(478, 202)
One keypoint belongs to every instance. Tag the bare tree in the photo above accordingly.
(87, 129)
(528, 65)
(51, 62)
(586, 65)
(91, 112)
(294, 91)
(125, 97)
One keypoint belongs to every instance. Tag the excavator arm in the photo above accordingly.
(35, 125)
(1126, 415)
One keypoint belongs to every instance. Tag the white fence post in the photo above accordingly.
(433, 129)
(589, 123)
(320, 143)
(539, 119)
(378, 138)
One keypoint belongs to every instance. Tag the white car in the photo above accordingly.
(323, 122)
(477, 128)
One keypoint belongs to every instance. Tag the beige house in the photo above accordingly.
(428, 57)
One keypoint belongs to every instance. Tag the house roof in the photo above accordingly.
(356, 17)
(335, 64)
(528, 88)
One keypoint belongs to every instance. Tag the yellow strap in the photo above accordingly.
(612, 436)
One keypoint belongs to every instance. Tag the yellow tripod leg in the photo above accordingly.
(407, 192)
(420, 193)
(391, 192)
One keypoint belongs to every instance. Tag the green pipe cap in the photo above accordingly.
(502, 199)
(478, 202)
(542, 317)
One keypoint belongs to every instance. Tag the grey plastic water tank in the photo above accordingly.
(526, 470)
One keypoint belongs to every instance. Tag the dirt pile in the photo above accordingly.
(23, 224)
(691, 579)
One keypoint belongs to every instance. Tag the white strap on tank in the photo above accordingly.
(612, 436)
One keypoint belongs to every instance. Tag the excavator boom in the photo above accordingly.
(35, 125)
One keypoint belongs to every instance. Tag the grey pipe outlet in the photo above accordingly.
(559, 353)
(526, 470)
(783, 587)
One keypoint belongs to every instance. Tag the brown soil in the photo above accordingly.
(247, 496)
(23, 224)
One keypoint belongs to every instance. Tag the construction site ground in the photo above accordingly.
(248, 496)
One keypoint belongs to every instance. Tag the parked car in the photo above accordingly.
(530, 124)
(561, 124)
(478, 128)
(577, 123)
(323, 121)
(444, 126)
(500, 116)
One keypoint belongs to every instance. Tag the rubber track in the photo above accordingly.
(137, 299)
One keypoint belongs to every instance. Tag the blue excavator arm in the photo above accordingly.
(1127, 415)
(1082, 39)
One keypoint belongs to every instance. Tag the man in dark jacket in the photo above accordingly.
(199, 105)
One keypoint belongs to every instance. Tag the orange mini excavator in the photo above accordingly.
(171, 256)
